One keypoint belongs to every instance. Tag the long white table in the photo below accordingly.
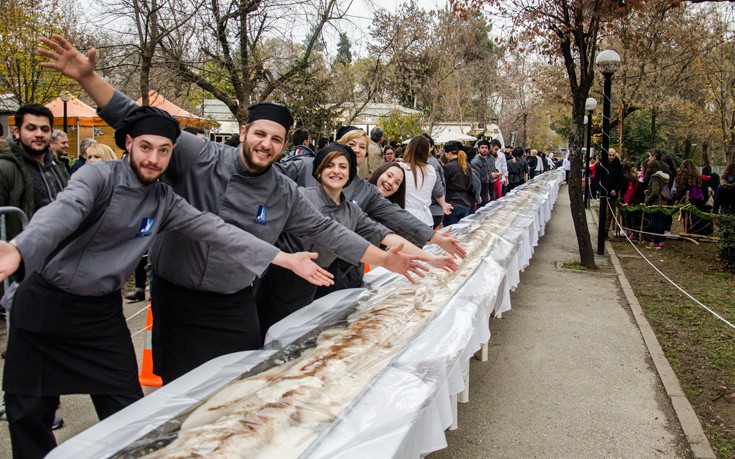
(406, 409)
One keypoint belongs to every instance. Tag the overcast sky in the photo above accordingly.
(361, 13)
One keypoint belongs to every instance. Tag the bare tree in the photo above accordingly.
(245, 49)
(144, 26)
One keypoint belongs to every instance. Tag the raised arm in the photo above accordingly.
(67, 60)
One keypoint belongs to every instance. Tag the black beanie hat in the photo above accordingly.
(452, 145)
(272, 112)
(344, 149)
(147, 120)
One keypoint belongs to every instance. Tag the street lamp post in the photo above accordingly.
(608, 62)
(589, 105)
(65, 97)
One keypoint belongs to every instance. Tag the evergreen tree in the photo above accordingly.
(344, 55)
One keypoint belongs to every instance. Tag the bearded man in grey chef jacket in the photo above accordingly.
(203, 306)
(68, 334)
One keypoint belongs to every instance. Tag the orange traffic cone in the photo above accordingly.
(146, 376)
(367, 268)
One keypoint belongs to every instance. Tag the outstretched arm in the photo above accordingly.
(300, 263)
(445, 262)
(393, 260)
(67, 60)
(9, 259)
(449, 243)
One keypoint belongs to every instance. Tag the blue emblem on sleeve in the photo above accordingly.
(146, 228)
(260, 215)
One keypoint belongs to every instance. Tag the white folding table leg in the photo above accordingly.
(484, 352)
(455, 420)
(464, 396)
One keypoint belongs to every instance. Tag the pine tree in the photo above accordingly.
(344, 55)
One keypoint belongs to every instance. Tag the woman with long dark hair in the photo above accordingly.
(420, 180)
(390, 180)
(689, 180)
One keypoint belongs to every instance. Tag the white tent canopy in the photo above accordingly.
(446, 135)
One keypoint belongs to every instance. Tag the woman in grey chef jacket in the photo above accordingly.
(279, 293)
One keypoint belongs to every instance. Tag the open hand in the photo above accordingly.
(302, 265)
(405, 264)
(444, 262)
(66, 59)
(449, 243)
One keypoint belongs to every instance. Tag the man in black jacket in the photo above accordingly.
(613, 184)
(30, 178)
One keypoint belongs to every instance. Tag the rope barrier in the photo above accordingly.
(667, 277)
(131, 317)
(145, 308)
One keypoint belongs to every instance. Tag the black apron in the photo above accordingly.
(279, 293)
(346, 275)
(192, 327)
(60, 343)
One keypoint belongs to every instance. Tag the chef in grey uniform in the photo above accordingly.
(68, 334)
(274, 302)
(203, 303)
(366, 196)
(484, 165)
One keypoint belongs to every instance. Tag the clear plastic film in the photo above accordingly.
(361, 373)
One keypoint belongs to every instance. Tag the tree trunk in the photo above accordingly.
(705, 154)
(579, 212)
(653, 129)
(687, 148)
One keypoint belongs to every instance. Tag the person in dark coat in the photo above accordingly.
(614, 185)
(725, 194)
(458, 176)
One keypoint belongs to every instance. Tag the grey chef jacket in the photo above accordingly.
(90, 239)
(368, 198)
(212, 178)
(484, 167)
(439, 187)
(346, 213)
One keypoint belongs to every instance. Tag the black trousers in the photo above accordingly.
(484, 194)
(191, 327)
(30, 419)
(346, 276)
(140, 274)
(279, 293)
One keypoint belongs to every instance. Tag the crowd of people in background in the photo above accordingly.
(439, 184)
(657, 182)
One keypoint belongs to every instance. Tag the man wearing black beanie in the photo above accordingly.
(202, 307)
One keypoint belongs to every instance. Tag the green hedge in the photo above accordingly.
(727, 240)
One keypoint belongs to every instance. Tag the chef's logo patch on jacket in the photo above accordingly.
(260, 215)
(146, 228)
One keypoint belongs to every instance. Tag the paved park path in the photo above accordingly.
(569, 374)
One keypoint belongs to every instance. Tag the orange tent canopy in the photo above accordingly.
(187, 119)
(77, 113)
(75, 108)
